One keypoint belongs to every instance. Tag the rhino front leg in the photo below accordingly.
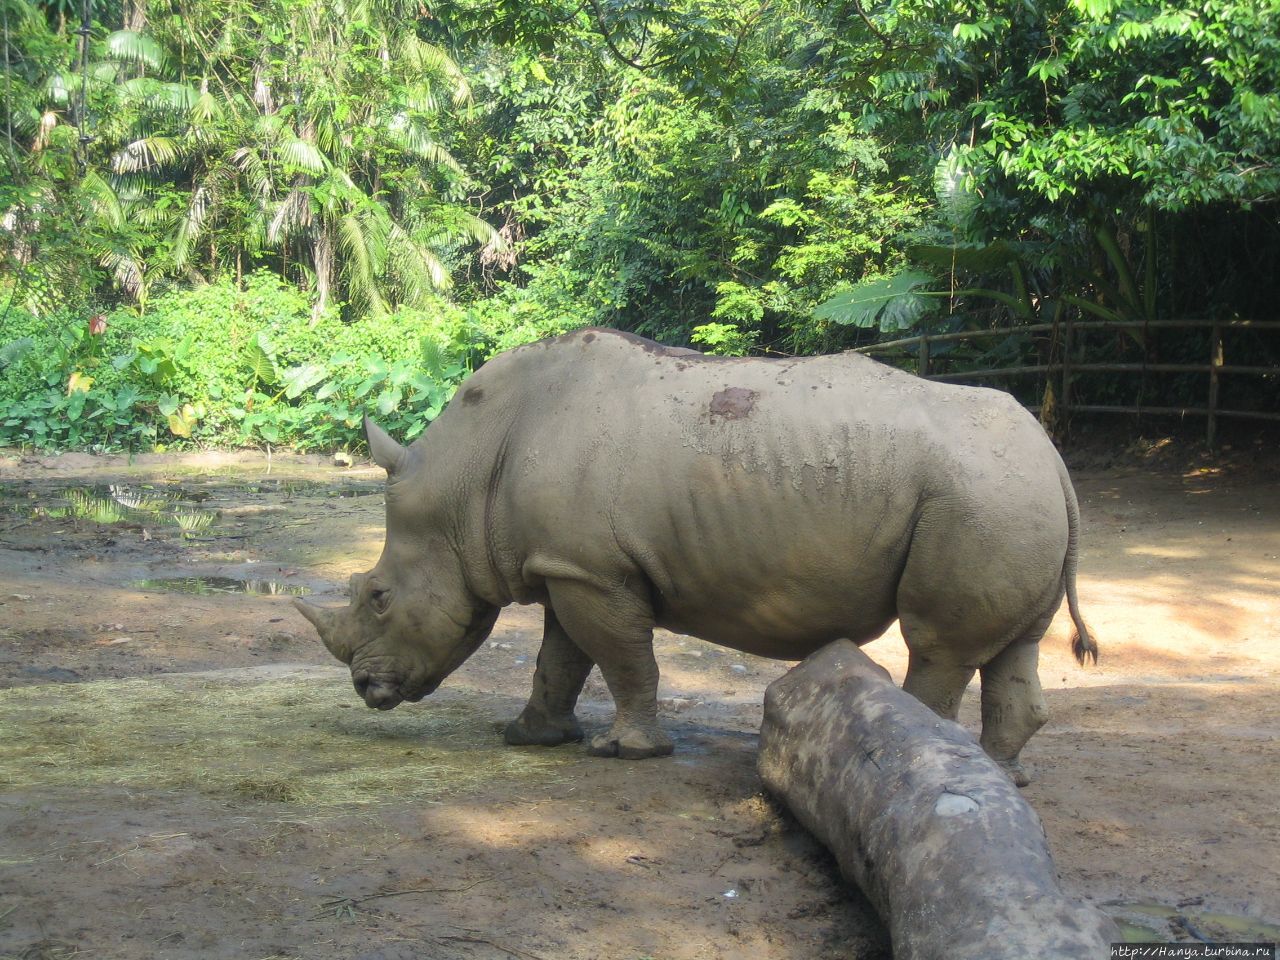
(548, 720)
(615, 629)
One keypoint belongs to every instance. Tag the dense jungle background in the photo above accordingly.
(241, 222)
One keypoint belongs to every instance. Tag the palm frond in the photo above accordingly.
(254, 170)
(146, 154)
(176, 98)
(205, 109)
(191, 226)
(362, 263)
(426, 60)
(130, 46)
(293, 216)
(59, 87)
(415, 139)
(102, 200)
(416, 265)
(298, 155)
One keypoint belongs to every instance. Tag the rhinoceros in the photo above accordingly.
(768, 505)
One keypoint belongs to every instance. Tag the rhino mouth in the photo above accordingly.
(422, 692)
(379, 696)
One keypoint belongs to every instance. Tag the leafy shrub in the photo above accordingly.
(224, 364)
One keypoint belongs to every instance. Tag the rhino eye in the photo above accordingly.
(379, 599)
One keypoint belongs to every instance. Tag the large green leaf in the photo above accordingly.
(890, 303)
(259, 357)
(300, 379)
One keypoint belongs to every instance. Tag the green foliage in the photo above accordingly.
(890, 303)
(295, 213)
(745, 211)
(206, 141)
(270, 374)
(724, 339)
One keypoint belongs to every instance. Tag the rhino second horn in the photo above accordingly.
(386, 452)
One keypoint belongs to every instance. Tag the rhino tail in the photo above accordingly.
(1082, 644)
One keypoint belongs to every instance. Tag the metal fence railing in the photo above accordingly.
(1063, 344)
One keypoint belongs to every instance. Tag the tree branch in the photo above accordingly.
(888, 44)
(613, 48)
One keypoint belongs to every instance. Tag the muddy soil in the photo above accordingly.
(187, 774)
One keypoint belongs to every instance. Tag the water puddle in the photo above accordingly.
(291, 487)
(1146, 922)
(112, 504)
(204, 586)
(192, 506)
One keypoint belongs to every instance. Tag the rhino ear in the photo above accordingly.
(387, 454)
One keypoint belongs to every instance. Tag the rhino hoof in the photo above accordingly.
(547, 733)
(630, 745)
(1016, 771)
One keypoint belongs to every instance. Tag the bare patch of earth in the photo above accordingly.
(186, 773)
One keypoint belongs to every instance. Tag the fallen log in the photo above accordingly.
(927, 825)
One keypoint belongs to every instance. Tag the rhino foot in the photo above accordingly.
(631, 743)
(533, 730)
(1016, 771)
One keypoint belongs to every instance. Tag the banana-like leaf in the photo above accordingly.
(890, 303)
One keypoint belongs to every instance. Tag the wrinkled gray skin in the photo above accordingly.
(767, 505)
(954, 860)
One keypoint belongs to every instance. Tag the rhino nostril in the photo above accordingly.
(361, 681)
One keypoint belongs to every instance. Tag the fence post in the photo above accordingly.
(1064, 400)
(1215, 362)
(922, 360)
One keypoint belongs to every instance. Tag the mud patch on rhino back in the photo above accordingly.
(733, 403)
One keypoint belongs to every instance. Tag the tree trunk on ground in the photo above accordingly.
(931, 829)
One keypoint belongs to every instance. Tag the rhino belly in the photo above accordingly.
(784, 624)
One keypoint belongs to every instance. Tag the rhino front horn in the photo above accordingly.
(323, 619)
(387, 454)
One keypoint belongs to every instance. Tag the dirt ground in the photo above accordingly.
(185, 773)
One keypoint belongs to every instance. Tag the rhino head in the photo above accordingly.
(411, 620)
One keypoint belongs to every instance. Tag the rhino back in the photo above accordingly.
(770, 504)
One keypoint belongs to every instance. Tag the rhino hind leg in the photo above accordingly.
(615, 629)
(548, 720)
(937, 684)
(1013, 705)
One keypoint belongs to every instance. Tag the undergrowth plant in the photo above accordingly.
(227, 364)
